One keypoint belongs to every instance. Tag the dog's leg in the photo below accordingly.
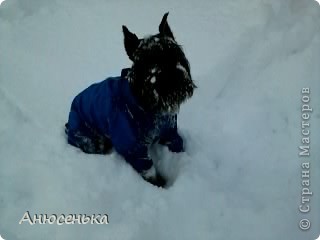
(171, 138)
(103, 145)
(174, 142)
(89, 144)
(152, 176)
(82, 137)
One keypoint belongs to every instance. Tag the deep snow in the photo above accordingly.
(241, 175)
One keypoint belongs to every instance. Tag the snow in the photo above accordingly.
(155, 93)
(154, 70)
(153, 79)
(240, 177)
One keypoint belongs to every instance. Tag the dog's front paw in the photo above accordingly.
(176, 144)
(153, 177)
(158, 181)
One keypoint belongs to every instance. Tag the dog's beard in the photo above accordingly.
(164, 97)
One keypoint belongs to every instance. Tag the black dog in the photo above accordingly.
(138, 108)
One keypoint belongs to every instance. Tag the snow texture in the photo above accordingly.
(153, 79)
(240, 177)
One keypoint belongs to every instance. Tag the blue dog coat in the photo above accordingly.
(108, 109)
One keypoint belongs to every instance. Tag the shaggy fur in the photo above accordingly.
(160, 75)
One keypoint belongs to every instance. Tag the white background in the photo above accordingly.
(240, 177)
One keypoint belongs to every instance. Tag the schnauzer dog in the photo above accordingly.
(139, 108)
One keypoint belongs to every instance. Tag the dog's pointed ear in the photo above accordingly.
(131, 42)
(164, 28)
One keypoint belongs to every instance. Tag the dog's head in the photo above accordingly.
(160, 76)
